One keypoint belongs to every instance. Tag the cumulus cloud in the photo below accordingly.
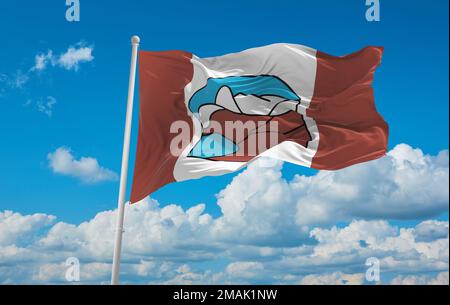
(431, 229)
(69, 60)
(61, 161)
(259, 237)
(394, 247)
(245, 270)
(406, 184)
(335, 278)
(441, 278)
(14, 227)
(161, 243)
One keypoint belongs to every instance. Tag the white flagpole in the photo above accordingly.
(124, 170)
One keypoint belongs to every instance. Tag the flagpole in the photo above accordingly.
(124, 170)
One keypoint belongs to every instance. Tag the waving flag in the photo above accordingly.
(211, 116)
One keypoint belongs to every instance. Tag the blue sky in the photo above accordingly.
(411, 86)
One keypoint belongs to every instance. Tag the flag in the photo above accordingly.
(210, 116)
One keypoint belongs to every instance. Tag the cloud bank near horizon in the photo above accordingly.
(270, 231)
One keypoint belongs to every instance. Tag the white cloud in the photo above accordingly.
(259, 204)
(46, 106)
(184, 275)
(16, 81)
(430, 230)
(395, 248)
(335, 278)
(257, 239)
(441, 278)
(71, 59)
(161, 243)
(42, 60)
(19, 79)
(86, 168)
(406, 184)
(245, 270)
(68, 60)
(14, 227)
